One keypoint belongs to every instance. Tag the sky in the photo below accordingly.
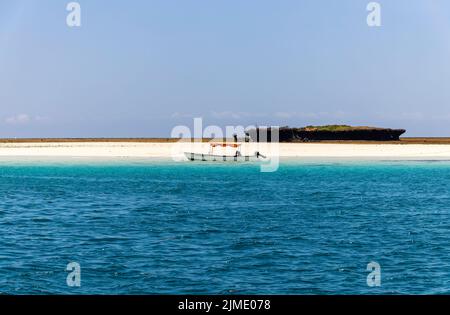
(140, 68)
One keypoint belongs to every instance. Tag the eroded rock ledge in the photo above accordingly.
(329, 132)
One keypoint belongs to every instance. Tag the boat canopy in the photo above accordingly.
(225, 144)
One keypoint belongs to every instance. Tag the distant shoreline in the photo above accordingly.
(405, 140)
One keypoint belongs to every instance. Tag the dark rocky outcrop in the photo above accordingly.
(331, 132)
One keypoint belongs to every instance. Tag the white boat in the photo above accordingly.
(236, 157)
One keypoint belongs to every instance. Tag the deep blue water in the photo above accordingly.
(143, 227)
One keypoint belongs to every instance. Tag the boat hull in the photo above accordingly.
(220, 158)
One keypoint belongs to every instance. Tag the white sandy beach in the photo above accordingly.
(168, 150)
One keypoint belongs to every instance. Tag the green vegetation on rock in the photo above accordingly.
(332, 128)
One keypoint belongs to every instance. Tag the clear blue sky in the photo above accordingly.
(138, 68)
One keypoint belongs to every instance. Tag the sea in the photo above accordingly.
(153, 226)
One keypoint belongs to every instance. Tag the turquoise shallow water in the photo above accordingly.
(143, 227)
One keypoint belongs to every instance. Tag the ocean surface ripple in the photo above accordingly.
(157, 227)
